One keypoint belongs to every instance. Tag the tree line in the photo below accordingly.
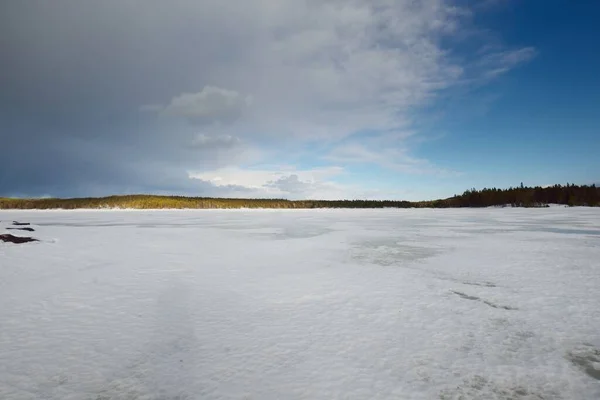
(521, 196)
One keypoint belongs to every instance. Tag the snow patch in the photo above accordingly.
(301, 304)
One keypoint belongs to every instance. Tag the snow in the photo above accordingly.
(302, 304)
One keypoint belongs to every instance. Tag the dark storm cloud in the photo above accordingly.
(73, 77)
(82, 56)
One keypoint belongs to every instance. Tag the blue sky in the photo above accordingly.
(540, 123)
(322, 99)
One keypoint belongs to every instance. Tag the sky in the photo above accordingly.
(328, 99)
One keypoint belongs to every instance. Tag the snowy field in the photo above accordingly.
(311, 304)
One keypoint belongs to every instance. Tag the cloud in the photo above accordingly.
(293, 187)
(320, 69)
(203, 141)
(212, 104)
(382, 152)
(256, 178)
(501, 62)
(279, 181)
(290, 184)
(285, 181)
(236, 89)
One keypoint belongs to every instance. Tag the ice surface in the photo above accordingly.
(302, 304)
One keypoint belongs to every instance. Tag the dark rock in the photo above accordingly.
(8, 238)
(17, 223)
(22, 229)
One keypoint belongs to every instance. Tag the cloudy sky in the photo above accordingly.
(399, 99)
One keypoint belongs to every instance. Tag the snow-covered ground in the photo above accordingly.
(311, 304)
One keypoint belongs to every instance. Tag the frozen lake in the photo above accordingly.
(304, 304)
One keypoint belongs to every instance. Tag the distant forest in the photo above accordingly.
(569, 195)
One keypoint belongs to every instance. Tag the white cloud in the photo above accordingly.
(326, 69)
(500, 62)
(379, 151)
(291, 184)
(284, 181)
(322, 69)
(256, 178)
(288, 182)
